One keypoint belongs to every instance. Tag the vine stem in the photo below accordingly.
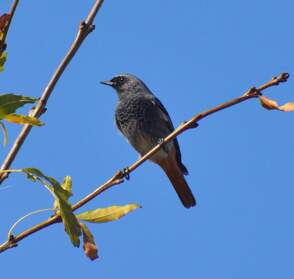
(24, 217)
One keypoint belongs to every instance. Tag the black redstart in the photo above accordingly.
(144, 121)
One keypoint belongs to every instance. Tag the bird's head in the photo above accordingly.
(125, 84)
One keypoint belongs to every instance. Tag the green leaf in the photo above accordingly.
(4, 132)
(9, 103)
(67, 185)
(3, 59)
(70, 222)
(89, 246)
(61, 195)
(102, 215)
(23, 119)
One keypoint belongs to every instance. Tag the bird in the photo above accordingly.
(144, 121)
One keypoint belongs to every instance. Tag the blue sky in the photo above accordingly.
(193, 56)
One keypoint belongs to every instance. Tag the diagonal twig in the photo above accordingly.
(11, 14)
(86, 27)
(119, 176)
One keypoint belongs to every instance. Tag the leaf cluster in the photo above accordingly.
(73, 225)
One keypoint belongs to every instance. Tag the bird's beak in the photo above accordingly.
(107, 82)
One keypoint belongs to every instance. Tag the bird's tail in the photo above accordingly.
(177, 179)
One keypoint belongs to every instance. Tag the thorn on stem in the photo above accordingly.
(91, 28)
(43, 110)
(11, 241)
(86, 28)
(82, 25)
(251, 91)
(283, 77)
(193, 125)
(126, 173)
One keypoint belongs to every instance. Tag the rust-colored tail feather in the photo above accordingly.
(177, 179)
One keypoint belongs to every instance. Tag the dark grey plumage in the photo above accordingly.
(143, 120)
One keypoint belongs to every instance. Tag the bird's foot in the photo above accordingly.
(163, 144)
(126, 173)
(160, 141)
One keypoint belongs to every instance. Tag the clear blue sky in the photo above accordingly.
(193, 55)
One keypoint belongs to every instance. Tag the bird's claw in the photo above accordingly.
(160, 141)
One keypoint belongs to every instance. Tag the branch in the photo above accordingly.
(11, 14)
(86, 27)
(119, 176)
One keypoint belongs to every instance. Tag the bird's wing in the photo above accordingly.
(117, 124)
(165, 116)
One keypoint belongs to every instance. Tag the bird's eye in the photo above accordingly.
(119, 80)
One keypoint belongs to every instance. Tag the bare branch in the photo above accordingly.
(11, 14)
(85, 28)
(119, 176)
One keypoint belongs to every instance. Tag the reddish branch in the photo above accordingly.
(11, 14)
(119, 176)
(85, 28)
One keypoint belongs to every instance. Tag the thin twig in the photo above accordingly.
(11, 14)
(25, 217)
(85, 28)
(118, 177)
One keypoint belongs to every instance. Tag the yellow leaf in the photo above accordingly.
(67, 184)
(3, 58)
(287, 107)
(23, 119)
(112, 213)
(271, 104)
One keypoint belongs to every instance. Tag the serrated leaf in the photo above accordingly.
(272, 104)
(89, 246)
(71, 224)
(23, 119)
(4, 132)
(9, 103)
(102, 215)
(3, 59)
